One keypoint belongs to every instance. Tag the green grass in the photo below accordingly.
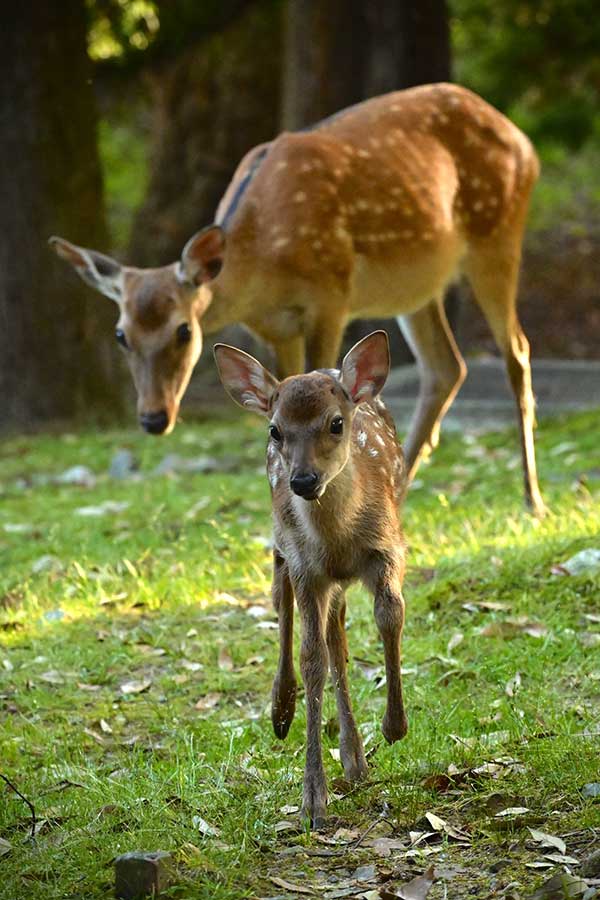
(171, 580)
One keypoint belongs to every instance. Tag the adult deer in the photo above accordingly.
(337, 475)
(373, 212)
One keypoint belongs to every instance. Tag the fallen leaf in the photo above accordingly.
(285, 825)
(93, 688)
(548, 840)
(383, 846)
(290, 886)
(257, 612)
(512, 811)
(589, 638)
(225, 660)
(52, 677)
(560, 887)
(417, 889)
(510, 628)
(208, 701)
(136, 687)
(46, 563)
(81, 476)
(95, 736)
(487, 605)
(562, 859)
(440, 825)
(190, 665)
(5, 847)
(365, 873)
(591, 790)
(105, 727)
(203, 827)
(586, 562)
(109, 506)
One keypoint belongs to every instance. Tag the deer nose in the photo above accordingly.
(154, 422)
(305, 484)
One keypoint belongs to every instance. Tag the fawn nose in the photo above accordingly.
(304, 484)
(154, 422)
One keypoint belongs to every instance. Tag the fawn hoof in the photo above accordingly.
(314, 801)
(283, 707)
(394, 728)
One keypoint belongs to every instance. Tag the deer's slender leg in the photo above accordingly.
(442, 370)
(389, 614)
(291, 356)
(313, 602)
(351, 747)
(493, 273)
(284, 685)
(323, 345)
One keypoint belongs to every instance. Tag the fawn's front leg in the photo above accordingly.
(283, 696)
(389, 615)
(351, 747)
(313, 602)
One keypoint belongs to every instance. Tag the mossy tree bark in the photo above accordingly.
(56, 344)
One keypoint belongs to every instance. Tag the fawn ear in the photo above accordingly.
(202, 256)
(247, 382)
(96, 269)
(366, 367)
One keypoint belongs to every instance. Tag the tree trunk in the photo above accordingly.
(338, 53)
(55, 355)
(211, 106)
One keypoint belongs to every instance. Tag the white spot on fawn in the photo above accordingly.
(299, 197)
(373, 452)
(362, 438)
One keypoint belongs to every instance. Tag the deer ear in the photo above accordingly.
(96, 269)
(366, 367)
(247, 382)
(202, 256)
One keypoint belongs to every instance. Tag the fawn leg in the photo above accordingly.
(313, 603)
(351, 747)
(389, 615)
(284, 685)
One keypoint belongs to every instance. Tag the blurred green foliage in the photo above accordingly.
(123, 149)
(537, 60)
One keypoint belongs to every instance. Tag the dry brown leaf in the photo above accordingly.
(93, 688)
(203, 827)
(456, 639)
(512, 811)
(208, 701)
(383, 846)
(417, 889)
(290, 886)
(225, 660)
(105, 727)
(510, 628)
(560, 887)
(136, 687)
(513, 685)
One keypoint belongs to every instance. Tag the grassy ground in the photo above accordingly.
(138, 647)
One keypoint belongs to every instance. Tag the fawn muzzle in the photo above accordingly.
(306, 485)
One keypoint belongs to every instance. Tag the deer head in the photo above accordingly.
(310, 415)
(159, 317)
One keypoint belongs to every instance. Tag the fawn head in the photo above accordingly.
(159, 311)
(310, 416)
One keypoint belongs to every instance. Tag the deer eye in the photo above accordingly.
(275, 433)
(184, 334)
(337, 425)
(121, 339)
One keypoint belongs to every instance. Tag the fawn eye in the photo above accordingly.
(184, 334)
(337, 425)
(275, 433)
(121, 339)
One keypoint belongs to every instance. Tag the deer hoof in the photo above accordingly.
(314, 801)
(394, 728)
(283, 707)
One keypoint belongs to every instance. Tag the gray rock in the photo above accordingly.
(142, 874)
(123, 465)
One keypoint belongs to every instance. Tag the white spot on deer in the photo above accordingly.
(362, 204)
(282, 164)
(375, 142)
(478, 205)
(427, 236)
(299, 197)
(361, 439)
(396, 191)
(453, 101)
(475, 182)
(443, 118)
(383, 471)
(364, 154)
(317, 245)
(493, 201)
(280, 242)
(380, 440)
(306, 167)
(394, 107)
(373, 452)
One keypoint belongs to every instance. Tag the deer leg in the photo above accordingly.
(291, 356)
(442, 370)
(283, 694)
(389, 615)
(351, 748)
(493, 274)
(325, 341)
(313, 604)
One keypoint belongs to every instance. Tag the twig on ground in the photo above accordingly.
(25, 800)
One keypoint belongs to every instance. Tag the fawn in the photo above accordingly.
(372, 212)
(337, 475)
